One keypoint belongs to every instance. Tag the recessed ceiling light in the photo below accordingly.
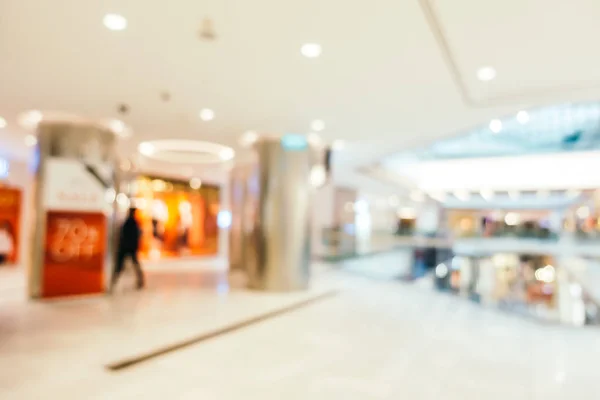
(30, 119)
(119, 128)
(523, 117)
(146, 149)
(495, 125)
(486, 194)
(486, 73)
(30, 140)
(311, 50)
(2, 123)
(317, 125)
(206, 114)
(462, 195)
(438, 196)
(186, 152)
(248, 138)
(115, 22)
(195, 183)
(226, 154)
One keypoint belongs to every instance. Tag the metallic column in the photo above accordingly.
(277, 251)
(240, 201)
(90, 149)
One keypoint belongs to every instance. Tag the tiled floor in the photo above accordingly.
(376, 340)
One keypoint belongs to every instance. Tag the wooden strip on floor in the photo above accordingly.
(130, 362)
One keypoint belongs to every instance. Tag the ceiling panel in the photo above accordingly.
(537, 47)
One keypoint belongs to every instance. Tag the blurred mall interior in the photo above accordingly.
(335, 200)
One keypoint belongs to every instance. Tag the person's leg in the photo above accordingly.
(119, 264)
(138, 269)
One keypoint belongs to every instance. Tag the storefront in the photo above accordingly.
(10, 224)
(178, 218)
(11, 203)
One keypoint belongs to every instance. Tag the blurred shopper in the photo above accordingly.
(7, 242)
(129, 244)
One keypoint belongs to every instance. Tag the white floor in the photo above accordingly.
(377, 339)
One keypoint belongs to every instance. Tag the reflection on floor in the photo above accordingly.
(377, 340)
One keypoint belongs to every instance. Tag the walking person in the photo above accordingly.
(129, 244)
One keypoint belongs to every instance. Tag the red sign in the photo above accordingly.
(74, 253)
(10, 213)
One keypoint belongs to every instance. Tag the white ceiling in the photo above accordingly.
(393, 74)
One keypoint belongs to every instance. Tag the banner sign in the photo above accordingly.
(76, 229)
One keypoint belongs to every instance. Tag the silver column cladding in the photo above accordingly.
(277, 251)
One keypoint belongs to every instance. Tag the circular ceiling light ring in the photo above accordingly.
(177, 151)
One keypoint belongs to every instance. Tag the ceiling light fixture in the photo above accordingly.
(496, 125)
(195, 183)
(486, 74)
(115, 22)
(512, 219)
(248, 138)
(486, 194)
(317, 125)
(182, 151)
(311, 50)
(30, 119)
(119, 128)
(146, 149)
(438, 196)
(206, 114)
(523, 117)
(2, 123)
(462, 195)
(30, 140)
(226, 154)
(514, 194)
(407, 213)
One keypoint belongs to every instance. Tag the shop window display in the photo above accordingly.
(176, 219)
(10, 213)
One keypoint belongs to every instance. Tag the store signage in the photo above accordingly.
(74, 253)
(76, 227)
(293, 142)
(71, 186)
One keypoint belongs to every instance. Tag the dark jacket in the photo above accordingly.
(130, 235)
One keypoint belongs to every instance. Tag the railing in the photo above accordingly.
(559, 298)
